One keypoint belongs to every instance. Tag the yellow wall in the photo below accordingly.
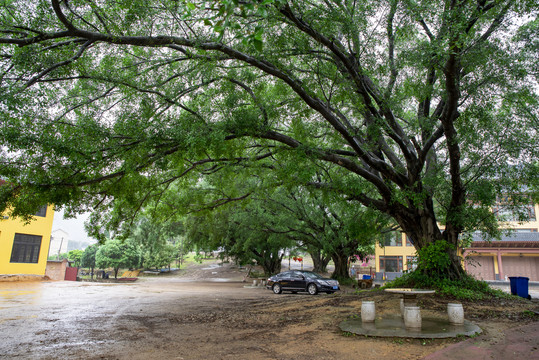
(403, 251)
(41, 226)
(534, 224)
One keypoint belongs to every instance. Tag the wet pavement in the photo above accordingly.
(81, 320)
(185, 318)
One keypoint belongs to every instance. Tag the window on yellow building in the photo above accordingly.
(505, 212)
(42, 212)
(391, 263)
(393, 238)
(25, 248)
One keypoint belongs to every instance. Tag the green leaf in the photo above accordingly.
(258, 44)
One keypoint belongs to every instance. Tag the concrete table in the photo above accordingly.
(412, 319)
(410, 295)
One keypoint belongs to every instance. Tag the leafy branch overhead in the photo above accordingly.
(423, 110)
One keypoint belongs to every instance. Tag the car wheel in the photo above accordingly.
(277, 288)
(329, 292)
(312, 289)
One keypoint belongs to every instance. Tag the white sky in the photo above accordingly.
(74, 227)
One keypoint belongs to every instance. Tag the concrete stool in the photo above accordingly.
(368, 311)
(412, 317)
(455, 312)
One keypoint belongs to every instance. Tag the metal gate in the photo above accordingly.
(71, 273)
(481, 267)
(527, 266)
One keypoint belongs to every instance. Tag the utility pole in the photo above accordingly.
(60, 248)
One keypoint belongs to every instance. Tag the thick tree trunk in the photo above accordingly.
(423, 231)
(341, 265)
(320, 261)
(272, 268)
(271, 263)
(455, 270)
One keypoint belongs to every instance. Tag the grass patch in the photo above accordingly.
(193, 258)
(347, 281)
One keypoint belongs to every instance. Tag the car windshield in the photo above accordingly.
(312, 275)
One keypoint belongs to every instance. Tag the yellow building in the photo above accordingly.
(393, 256)
(515, 255)
(24, 247)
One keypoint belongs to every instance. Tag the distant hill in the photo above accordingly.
(77, 245)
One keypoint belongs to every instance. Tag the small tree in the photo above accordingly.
(161, 257)
(117, 254)
(88, 258)
(75, 256)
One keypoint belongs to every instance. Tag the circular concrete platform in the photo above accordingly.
(393, 326)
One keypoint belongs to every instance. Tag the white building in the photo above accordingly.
(59, 241)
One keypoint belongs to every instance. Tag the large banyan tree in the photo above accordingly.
(424, 110)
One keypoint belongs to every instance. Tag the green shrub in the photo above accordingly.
(434, 258)
(466, 288)
(430, 273)
(347, 281)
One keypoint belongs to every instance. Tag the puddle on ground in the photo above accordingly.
(13, 293)
(212, 266)
(219, 280)
(393, 326)
(18, 318)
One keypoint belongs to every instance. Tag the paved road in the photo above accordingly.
(81, 320)
(533, 288)
(177, 318)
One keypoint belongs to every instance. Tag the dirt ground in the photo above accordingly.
(207, 312)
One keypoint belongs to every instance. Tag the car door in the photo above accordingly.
(286, 280)
(298, 281)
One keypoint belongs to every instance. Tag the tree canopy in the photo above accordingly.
(247, 232)
(423, 110)
(117, 254)
(88, 257)
(160, 241)
(75, 256)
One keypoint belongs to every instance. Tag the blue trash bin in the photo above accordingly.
(522, 286)
(513, 284)
(366, 277)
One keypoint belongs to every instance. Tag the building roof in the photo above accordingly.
(60, 233)
(517, 239)
(517, 236)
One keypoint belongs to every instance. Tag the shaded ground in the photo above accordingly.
(197, 315)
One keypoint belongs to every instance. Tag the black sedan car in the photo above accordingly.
(296, 280)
